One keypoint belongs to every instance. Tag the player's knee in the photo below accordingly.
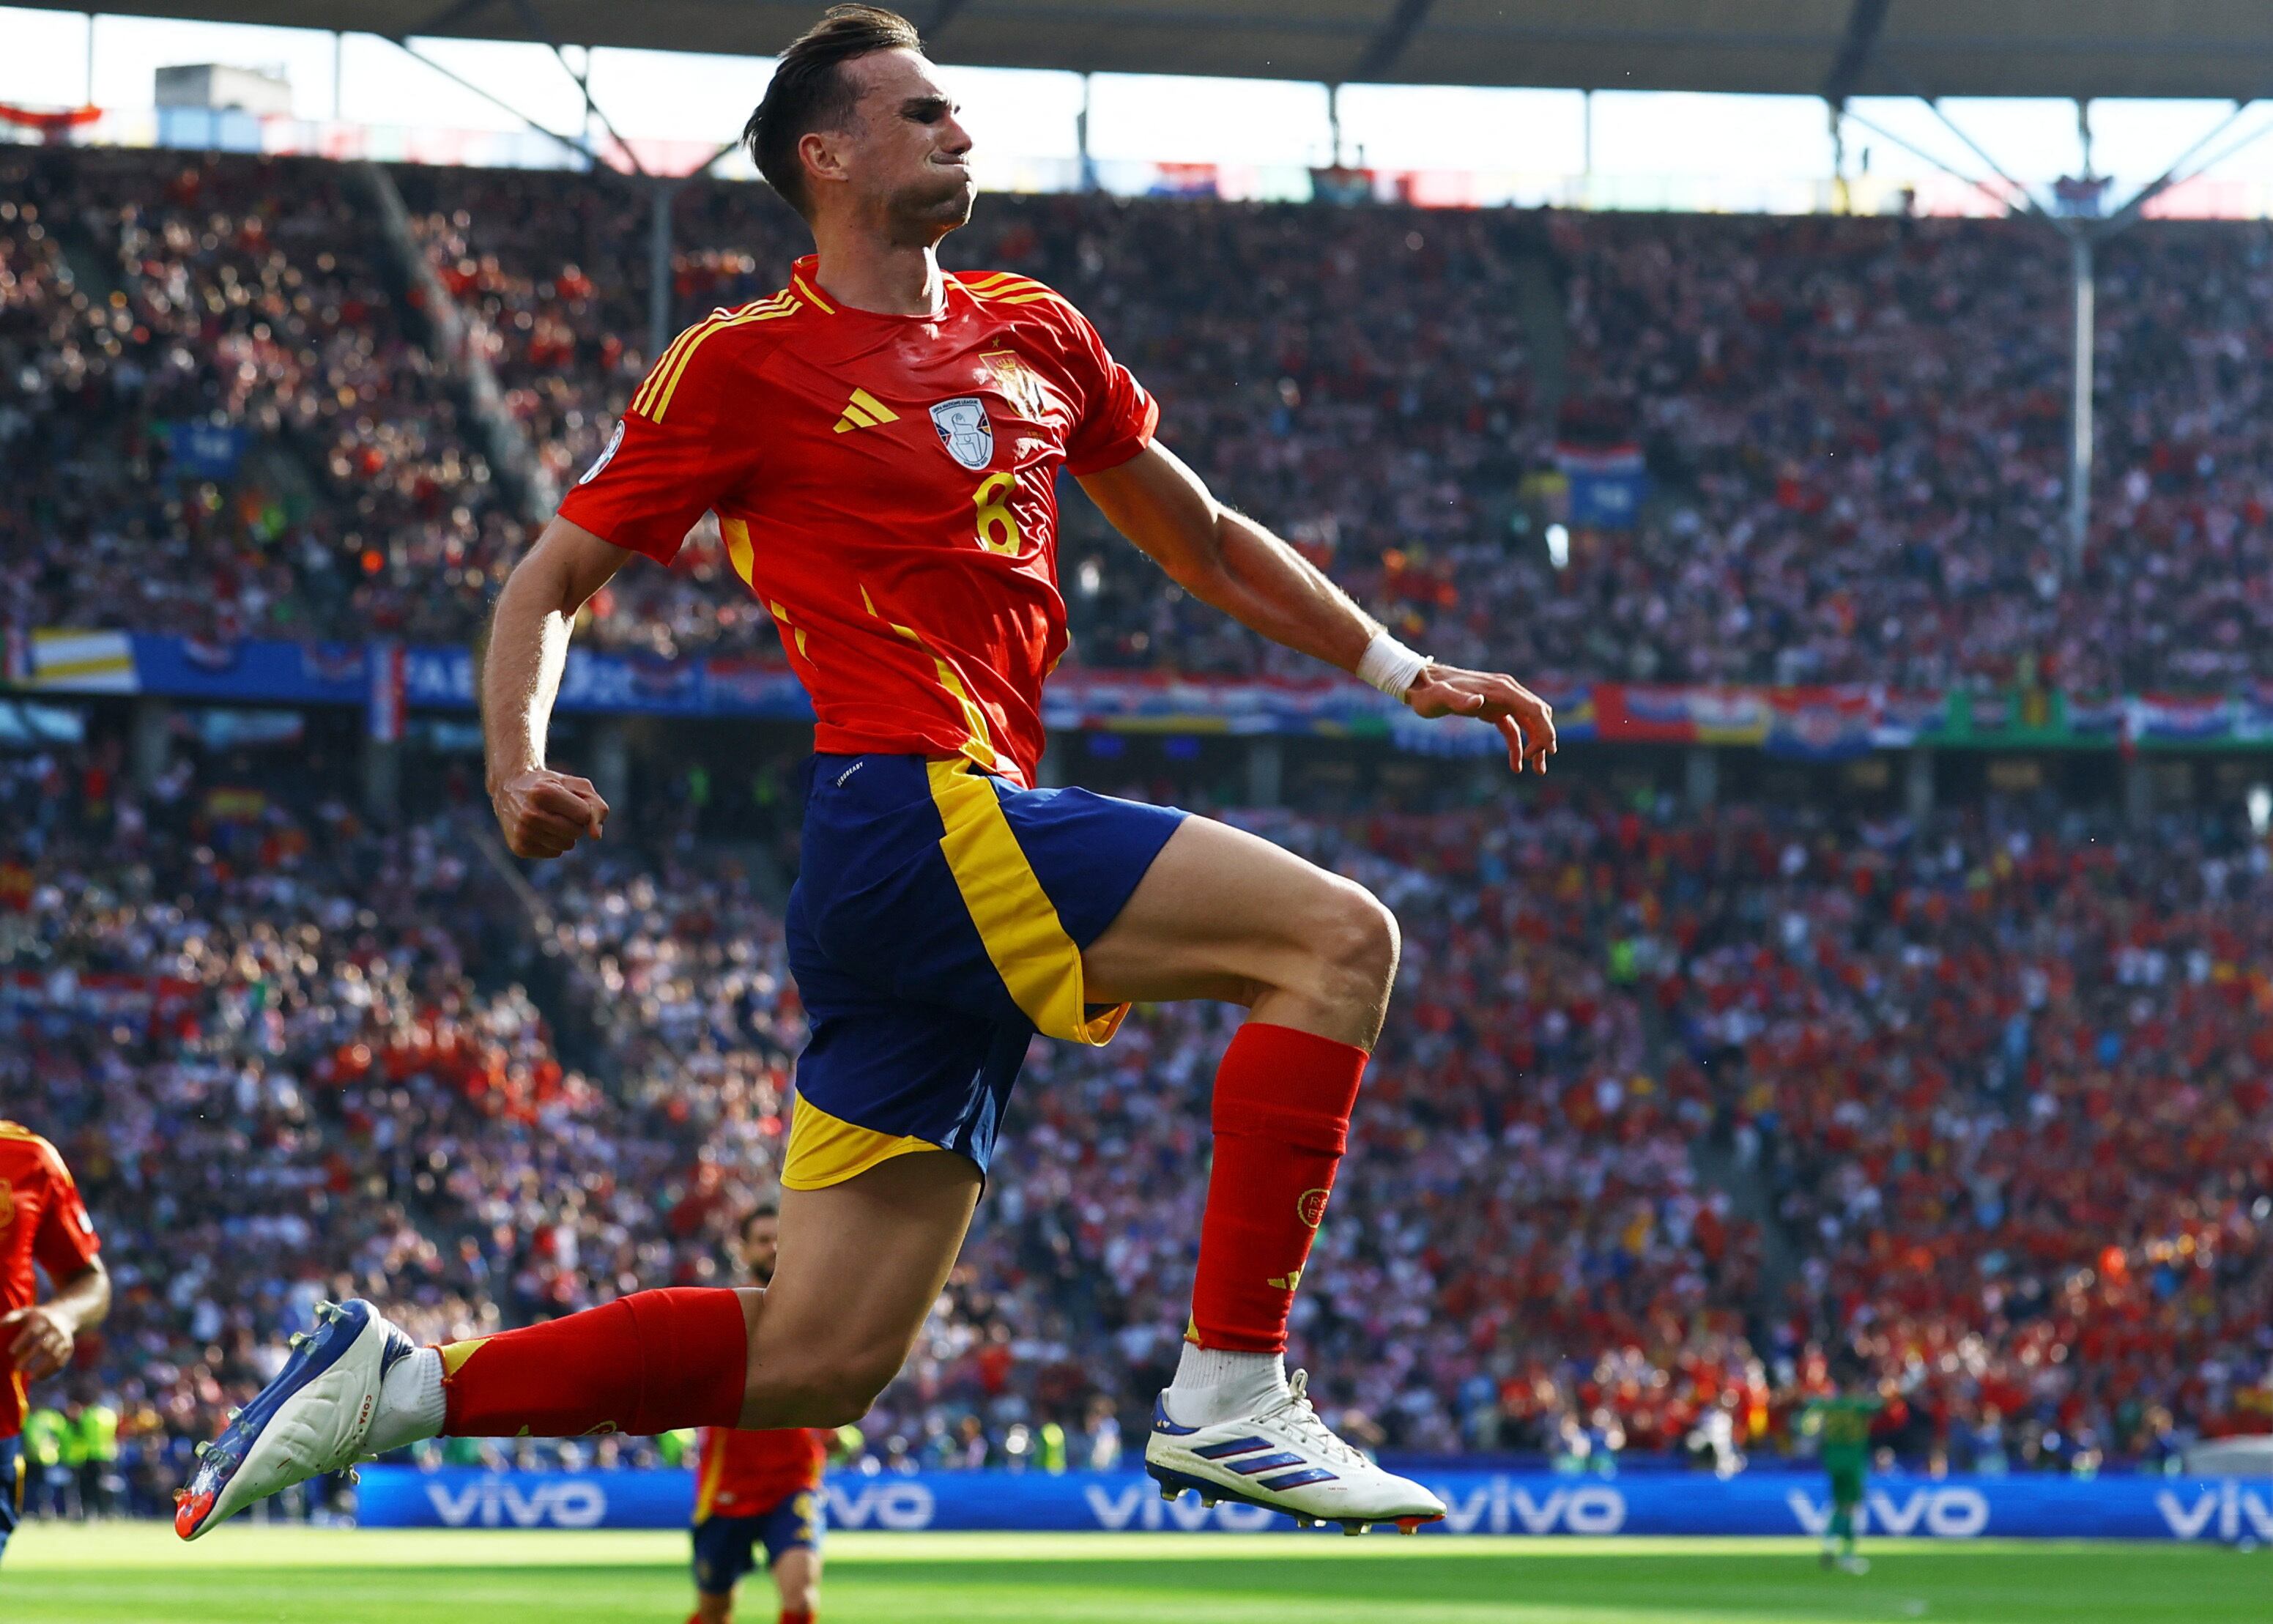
(1357, 941)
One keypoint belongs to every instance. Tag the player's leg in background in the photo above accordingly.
(1225, 914)
(1846, 1501)
(793, 1536)
(723, 1555)
(797, 1576)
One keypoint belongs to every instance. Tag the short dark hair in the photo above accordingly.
(808, 91)
(767, 1207)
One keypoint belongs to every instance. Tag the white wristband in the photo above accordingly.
(1389, 665)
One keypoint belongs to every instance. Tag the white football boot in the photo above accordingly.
(310, 1420)
(1285, 1459)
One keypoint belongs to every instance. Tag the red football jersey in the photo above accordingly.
(886, 487)
(42, 1220)
(739, 1474)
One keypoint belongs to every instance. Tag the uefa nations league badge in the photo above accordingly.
(965, 431)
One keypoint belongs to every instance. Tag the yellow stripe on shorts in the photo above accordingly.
(1019, 924)
(826, 1149)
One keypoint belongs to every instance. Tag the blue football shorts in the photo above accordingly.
(726, 1547)
(937, 924)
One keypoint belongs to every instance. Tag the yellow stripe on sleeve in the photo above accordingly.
(645, 393)
(645, 397)
(1015, 918)
(763, 310)
(1004, 288)
(826, 1150)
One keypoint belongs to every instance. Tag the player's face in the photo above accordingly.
(759, 1243)
(906, 157)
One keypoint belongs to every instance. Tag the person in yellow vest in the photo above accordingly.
(96, 1427)
(41, 1474)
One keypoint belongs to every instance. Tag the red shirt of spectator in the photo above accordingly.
(42, 1220)
(739, 1474)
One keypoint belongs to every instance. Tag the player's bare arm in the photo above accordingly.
(543, 813)
(1226, 560)
(40, 1339)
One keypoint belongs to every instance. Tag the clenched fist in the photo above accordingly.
(545, 813)
(39, 1342)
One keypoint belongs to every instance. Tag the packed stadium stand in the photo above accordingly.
(1854, 425)
(1671, 1099)
(2002, 1095)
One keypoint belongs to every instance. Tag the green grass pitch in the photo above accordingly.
(137, 1574)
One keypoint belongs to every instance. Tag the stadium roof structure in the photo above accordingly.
(2070, 48)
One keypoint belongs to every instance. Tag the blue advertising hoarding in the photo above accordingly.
(1754, 1503)
(1809, 723)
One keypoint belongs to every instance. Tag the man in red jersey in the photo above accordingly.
(42, 1220)
(754, 1489)
(880, 442)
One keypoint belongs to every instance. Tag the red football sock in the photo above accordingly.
(645, 1364)
(1282, 1107)
(795, 1615)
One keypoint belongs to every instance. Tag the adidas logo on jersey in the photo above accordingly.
(865, 411)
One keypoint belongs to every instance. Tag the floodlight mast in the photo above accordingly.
(662, 189)
(2082, 354)
(2084, 234)
(661, 194)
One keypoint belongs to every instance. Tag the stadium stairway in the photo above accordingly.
(1736, 1166)
(451, 339)
(1539, 306)
(540, 971)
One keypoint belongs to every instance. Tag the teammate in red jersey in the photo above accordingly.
(42, 1220)
(754, 1489)
(880, 442)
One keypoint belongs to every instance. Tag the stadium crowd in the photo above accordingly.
(1854, 426)
(144, 298)
(2000, 1096)
(1995, 1090)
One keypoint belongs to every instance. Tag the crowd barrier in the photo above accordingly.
(2122, 1507)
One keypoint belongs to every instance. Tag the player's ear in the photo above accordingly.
(822, 152)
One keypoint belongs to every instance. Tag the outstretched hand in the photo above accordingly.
(1524, 719)
(545, 813)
